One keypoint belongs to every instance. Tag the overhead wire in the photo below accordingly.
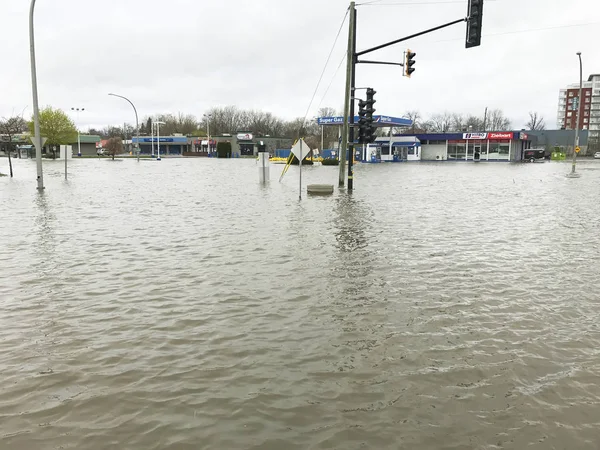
(332, 80)
(527, 30)
(413, 3)
(324, 69)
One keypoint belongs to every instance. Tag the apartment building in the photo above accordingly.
(589, 107)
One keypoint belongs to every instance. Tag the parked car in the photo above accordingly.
(597, 155)
(534, 154)
(100, 151)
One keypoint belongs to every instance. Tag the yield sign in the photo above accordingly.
(32, 138)
(300, 147)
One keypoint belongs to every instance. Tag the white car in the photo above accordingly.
(100, 151)
(597, 155)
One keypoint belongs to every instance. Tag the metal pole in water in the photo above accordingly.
(37, 138)
(300, 165)
(348, 94)
(580, 103)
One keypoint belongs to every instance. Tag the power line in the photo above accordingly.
(527, 30)
(332, 80)
(325, 68)
(376, 3)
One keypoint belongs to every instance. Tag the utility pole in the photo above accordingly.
(347, 93)
(351, 117)
(37, 138)
(485, 119)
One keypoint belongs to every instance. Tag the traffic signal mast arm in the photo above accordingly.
(380, 62)
(364, 52)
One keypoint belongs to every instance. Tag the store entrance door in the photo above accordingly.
(247, 149)
(473, 151)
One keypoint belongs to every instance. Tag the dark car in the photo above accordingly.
(534, 154)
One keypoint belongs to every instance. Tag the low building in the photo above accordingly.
(243, 143)
(88, 144)
(168, 145)
(562, 140)
(488, 146)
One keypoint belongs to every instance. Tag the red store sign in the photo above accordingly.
(497, 136)
(490, 136)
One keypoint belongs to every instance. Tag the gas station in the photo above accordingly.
(379, 121)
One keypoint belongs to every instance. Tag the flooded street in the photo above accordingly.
(181, 305)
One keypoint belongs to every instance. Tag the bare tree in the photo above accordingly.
(474, 123)
(114, 146)
(497, 120)
(457, 123)
(441, 123)
(415, 117)
(9, 128)
(536, 122)
(186, 123)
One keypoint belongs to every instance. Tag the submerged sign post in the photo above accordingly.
(300, 150)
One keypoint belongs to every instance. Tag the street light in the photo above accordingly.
(208, 116)
(580, 104)
(78, 138)
(137, 126)
(152, 135)
(158, 124)
(37, 139)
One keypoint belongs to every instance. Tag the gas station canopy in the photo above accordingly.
(378, 121)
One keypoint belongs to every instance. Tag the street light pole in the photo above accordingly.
(152, 135)
(78, 110)
(37, 139)
(158, 124)
(208, 132)
(580, 104)
(137, 125)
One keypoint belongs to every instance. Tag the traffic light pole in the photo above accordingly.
(352, 60)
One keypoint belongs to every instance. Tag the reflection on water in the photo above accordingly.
(184, 305)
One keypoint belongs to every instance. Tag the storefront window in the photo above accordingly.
(457, 150)
(385, 149)
(499, 150)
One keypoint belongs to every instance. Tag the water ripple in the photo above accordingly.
(182, 305)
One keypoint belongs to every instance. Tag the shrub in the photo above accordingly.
(224, 150)
(330, 162)
(305, 162)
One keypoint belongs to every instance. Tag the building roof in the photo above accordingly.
(87, 139)
(593, 75)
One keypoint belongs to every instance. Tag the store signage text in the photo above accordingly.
(490, 136)
(156, 140)
(330, 120)
(244, 136)
(474, 135)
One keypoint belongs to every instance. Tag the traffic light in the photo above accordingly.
(369, 110)
(474, 15)
(409, 62)
(363, 124)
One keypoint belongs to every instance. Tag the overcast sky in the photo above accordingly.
(185, 55)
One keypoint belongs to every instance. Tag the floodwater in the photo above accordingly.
(181, 305)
